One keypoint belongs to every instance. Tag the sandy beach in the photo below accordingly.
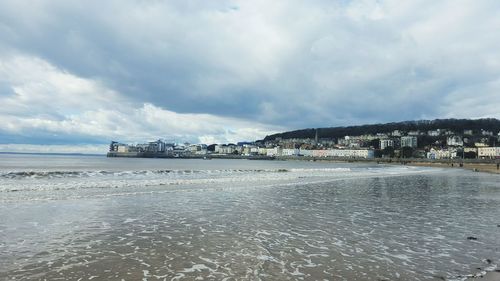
(479, 167)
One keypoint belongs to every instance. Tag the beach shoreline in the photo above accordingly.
(476, 167)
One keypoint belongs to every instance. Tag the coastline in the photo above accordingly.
(476, 167)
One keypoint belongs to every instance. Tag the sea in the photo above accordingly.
(67, 217)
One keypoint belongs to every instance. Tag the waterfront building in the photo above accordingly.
(290, 152)
(198, 149)
(442, 153)
(115, 145)
(275, 151)
(352, 153)
(226, 149)
(249, 149)
(306, 152)
(156, 146)
(320, 153)
(488, 152)
(122, 148)
(338, 153)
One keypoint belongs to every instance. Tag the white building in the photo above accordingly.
(486, 133)
(351, 153)
(414, 133)
(248, 150)
(442, 153)
(290, 152)
(339, 153)
(434, 133)
(454, 141)
(384, 143)
(396, 133)
(225, 148)
(470, 149)
(262, 151)
(409, 141)
(198, 149)
(488, 152)
(122, 148)
(275, 151)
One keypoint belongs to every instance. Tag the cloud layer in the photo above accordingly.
(228, 70)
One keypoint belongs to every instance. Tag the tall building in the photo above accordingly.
(409, 141)
(386, 143)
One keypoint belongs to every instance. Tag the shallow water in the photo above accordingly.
(86, 218)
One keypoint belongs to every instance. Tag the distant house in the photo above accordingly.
(454, 141)
(396, 133)
(414, 133)
(468, 132)
(486, 133)
(434, 133)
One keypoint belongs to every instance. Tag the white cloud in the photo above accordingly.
(50, 100)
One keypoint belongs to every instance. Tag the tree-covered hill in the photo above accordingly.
(456, 125)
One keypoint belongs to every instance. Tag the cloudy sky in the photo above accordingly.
(82, 73)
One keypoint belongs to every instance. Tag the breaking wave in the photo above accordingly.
(81, 174)
(86, 174)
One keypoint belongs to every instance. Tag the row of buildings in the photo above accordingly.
(434, 144)
(246, 149)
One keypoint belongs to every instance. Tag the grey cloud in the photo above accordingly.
(290, 64)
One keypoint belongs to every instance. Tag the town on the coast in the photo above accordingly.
(448, 142)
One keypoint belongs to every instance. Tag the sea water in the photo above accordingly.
(97, 218)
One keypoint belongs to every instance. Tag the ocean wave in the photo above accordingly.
(84, 174)
(321, 170)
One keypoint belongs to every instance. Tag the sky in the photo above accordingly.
(75, 75)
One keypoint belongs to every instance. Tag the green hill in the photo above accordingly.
(455, 125)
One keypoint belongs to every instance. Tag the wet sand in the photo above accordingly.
(479, 167)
